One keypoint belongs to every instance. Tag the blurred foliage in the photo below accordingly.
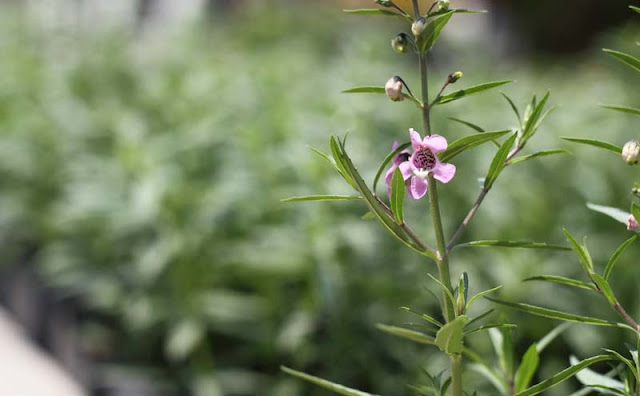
(145, 172)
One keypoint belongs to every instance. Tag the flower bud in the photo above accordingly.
(384, 3)
(453, 77)
(418, 26)
(443, 5)
(400, 43)
(630, 152)
(632, 224)
(393, 89)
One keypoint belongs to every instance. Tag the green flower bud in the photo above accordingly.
(453, 77)
(443, 5)
(400, 43)
(630, 152)
(418, 26)
(384, 3)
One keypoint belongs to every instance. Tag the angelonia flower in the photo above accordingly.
(421, 163)
(632, 224)
(399, 158)
(418, 26)
(443, 5)
(393, 89)
(400, 43)
(630, 152)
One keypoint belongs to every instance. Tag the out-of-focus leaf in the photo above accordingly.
(635, 210)
(595, 143)
(430, 34)
(562, 376)
(337, 388)
(512, 244)
(466, 142)
(503, 347)
(542, 153)
(623, 109)
(550, 336)
(589, 377)
(527, 368)
(636, 9)
(183, 338)
(463, 93)
(615, 213)
(321, 198)
(450, 337)
(562, 280)
(627, 59)
(614, 257)
(412, 335)
(581, 251)
(397, 195)
(386, 161)
(498, 162)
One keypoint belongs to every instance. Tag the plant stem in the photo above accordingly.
(456, 374)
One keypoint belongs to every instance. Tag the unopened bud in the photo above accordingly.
(630, 152)
(400, 43)
(453, 77)
(384, 3)
(632, 224)
(418, 26)
(393, 89)
(443, 5)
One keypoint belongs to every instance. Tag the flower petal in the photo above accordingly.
(416, 140)
(394, 145)
(388, 176)
(406, 169)
(435, 143)
(417, 188)
(444, 172)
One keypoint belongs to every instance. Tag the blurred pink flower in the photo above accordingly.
(632, 224)
(399, 158)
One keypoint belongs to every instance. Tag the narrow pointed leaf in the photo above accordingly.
(491, 326)
(542, 153)
(463, 93)
(614, 257)
(531, 123)
(339, 161)
(512, 244)
(430, 34)
(380, 90)
(623, 109)
(337, 388)
(513, 107)
(581, 251)
(498, 162)
(374, 11)
(553, 314)
(457, 11)
(562, 280)
(595, 143)
(321, 198)
(562, 376)
(412, 335)
(627, 59)
(482, 294)
(424, 316)
(444, 288)
(605, 288)
(636, 9)
(386, 161)
(467, 123)
(450, 337)
(397, 196)
(465, 143)
(527, 368)
(615, 213)
(591, 378)
(624, 360)
(494, 378)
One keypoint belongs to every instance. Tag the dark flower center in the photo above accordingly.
(424, 159)
(403, 157)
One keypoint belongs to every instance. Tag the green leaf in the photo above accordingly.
(397, 196)
(614, 213)
(412, 335)
(337, 157)
(616, 254)
(636, 9)
(444, 288)
(374, 11)
(492, 376)
(456, 11)
(480, 317)
(562, 280)
(513, 107)
(491, 326)
(550, 336)
(386, 161)
(533, 119)
(184, 337)
(593, 379)
(482, 294)
(553, 314)
(595, 143)
(624, 360)
(527, 368)
(542, 153)
(623, 109)
(424, 316)
(498, 162)
(503, 347)
(562, 376)
(512, 244)
(430, 34)
(605, 288)
(467, 123)
(380, 90)
(321, 198)
(463, 93)
(466, 142)
(581, 251)
(627, 59)
(635, 210)
(340, 389)
(450, 337)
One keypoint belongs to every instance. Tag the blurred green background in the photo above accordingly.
(141, 172)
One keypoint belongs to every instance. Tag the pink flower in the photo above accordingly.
(401, 157)
(632, 224)
(423, 162)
